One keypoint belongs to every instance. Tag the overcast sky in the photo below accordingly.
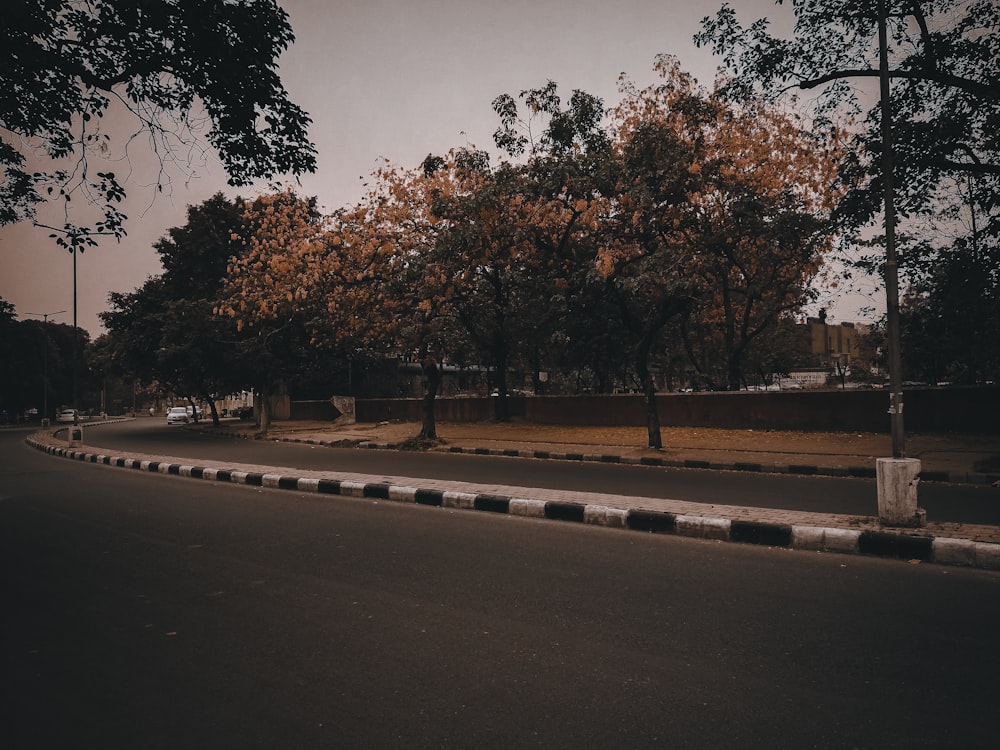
(395, 79)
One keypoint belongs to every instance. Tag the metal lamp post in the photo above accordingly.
(896, 477)
(45, 359)
(76, 342)
(891, 269)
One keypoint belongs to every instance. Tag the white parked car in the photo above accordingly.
(177, 415)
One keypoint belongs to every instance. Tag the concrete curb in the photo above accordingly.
(897, 545)
(862, 472)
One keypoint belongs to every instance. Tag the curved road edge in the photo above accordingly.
(947, 544)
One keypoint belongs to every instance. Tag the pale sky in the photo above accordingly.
(394, 79)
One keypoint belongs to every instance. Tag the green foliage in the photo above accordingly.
(951, 319)
(479, 269)
(165, 332)
(12, 348)
(170, 65)
(564, 129)
(36, 364)
(195, 256)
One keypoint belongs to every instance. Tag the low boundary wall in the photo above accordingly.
(974, 409)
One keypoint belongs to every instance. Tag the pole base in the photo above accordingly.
(74, 436)
(897, 480)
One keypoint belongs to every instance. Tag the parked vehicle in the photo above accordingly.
(177, 415)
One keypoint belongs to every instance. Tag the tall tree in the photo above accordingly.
(938, 117)
(195, 346)
(390, 283)
(274, 290)
(353, 281)
(762, 224)
(447, 256)
(172, 66)
(165, 331)
(134, 330)
(37, 364)
(650, 188)
(494, 250)
(565, 146)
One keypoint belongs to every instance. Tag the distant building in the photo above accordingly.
(841, 352)
(840, 344)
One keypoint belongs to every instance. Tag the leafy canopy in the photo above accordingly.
(174, 66)
(164, 332)
(945, 91)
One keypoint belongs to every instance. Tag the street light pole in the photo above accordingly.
(897, 477)
(891, 268)
(45, 359)
(76, 342)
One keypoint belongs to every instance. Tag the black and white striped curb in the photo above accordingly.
(899, 545)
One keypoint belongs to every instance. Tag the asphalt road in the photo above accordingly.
(142, 610)
(943, 502)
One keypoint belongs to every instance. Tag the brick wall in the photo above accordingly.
(969, 410)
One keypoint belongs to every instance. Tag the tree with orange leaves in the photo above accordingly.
(684, 204)
(759, 220)
(632, 189)
(362, 279)
(352, 282)
(710, 209)
(268, 286)
(391, 293)
(458, 265)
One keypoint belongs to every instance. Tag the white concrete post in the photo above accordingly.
(345, 405)
(897, 480)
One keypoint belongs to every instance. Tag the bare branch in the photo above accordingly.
(968, 167)
(985, 90)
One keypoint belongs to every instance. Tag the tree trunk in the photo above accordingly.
(264, 419)
(734, 365)
(432, 380)
(734, 376)
(501, 408)
(655, 439)
(215, 412)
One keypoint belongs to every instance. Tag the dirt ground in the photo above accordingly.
(954, 453)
